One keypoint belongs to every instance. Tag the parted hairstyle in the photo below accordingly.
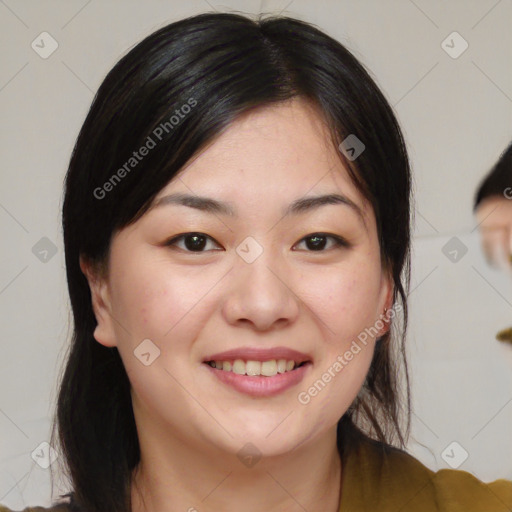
(207, 70)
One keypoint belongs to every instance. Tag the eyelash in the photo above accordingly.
(338, 242)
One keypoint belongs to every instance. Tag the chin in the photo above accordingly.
(272, 435)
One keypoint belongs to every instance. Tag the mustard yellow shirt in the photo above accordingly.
(378, 478)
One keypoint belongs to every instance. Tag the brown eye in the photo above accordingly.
(318, 242)
(191, 242)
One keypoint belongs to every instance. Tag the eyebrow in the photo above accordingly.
(301, 205)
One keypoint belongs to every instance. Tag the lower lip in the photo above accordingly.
(261, 386)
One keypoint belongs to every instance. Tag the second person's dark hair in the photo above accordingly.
(498, 181)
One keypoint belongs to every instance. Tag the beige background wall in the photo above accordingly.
(457, 117)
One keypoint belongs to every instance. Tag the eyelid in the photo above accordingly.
(339, 242)
(171, 242)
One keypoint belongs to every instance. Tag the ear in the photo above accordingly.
(386, 302)
(104, 332)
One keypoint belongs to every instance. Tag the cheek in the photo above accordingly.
(345, 299)
(155, 300)
(345, 302)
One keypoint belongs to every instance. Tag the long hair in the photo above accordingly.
(219, 66)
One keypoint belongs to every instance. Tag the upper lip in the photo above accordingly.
(260, 354)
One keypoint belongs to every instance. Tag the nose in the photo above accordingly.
(261, 295)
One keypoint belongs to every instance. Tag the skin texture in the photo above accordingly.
(190, 425)
(494, 216)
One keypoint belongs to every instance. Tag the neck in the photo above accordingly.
(178, 476)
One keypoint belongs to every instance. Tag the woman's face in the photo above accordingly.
(273, 273)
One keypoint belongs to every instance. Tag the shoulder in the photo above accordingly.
(461, 490)
(450, 489)
(385, 477)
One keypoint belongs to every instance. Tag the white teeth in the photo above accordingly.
(239, 367)
(269, 368)
(255, 368)
(281, 365)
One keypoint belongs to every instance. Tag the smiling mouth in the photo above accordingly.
(257, 368)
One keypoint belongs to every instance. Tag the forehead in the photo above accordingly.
(272, 154)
